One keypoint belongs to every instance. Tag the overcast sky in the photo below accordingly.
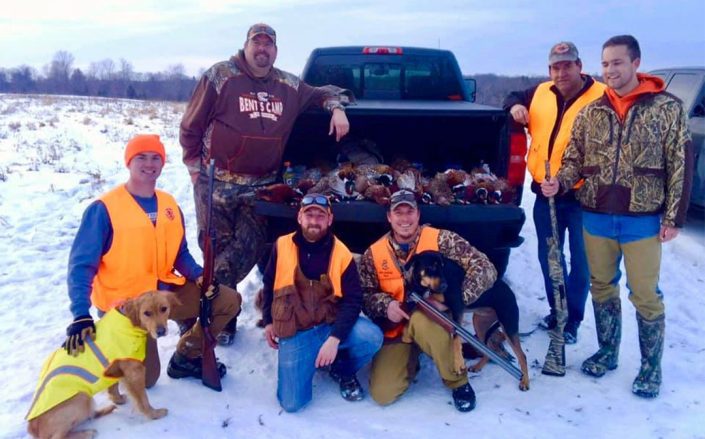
(487, 36)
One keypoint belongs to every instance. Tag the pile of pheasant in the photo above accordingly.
(376, 182)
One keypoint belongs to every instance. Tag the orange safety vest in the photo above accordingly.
(389, 274)
(543, 112)
(288, 260)
(141, 253)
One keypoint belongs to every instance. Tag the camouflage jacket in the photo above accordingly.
(480, 274)
(640, 166)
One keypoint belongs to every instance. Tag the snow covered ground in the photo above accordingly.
(59, 153)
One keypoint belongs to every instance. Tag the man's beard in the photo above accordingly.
(313, 233)
(262, 61)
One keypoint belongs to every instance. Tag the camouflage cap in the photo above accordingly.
(262, 29)
(563, 51)
(402, 196)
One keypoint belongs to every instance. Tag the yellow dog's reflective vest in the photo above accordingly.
(63, 376)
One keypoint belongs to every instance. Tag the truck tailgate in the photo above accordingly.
(360, 223)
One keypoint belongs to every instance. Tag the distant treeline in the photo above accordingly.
(110, 79)
(492, 89)
(102, 78)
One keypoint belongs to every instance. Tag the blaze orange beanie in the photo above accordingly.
(144, 143)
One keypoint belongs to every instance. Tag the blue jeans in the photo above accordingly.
(622, 228)
(569, 216)
(297, 357)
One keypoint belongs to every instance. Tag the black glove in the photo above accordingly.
(81, 328)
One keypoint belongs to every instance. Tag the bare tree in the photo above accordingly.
(126, 70)
(104, 69)
(175, 71)
(61, 66)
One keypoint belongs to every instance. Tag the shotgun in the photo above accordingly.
(210, 377)
(455, 329)
(554, 364)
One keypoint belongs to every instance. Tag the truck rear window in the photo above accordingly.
(410, 77)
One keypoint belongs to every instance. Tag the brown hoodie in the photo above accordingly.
(647, 84)
(243, 122)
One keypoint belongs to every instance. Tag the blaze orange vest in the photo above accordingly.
(288, 260)
(542, 118)
(141, 253)
(390, 276)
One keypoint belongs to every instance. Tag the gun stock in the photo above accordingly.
(210, 377)
(455, 329)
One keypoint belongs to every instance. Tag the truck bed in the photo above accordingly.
(438, 134)
(435, 133)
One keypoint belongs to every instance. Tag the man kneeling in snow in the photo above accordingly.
(132, 240)
(312, 303)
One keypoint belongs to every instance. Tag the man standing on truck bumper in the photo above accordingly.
(548, 110)
(383, 289)
(633, 149)
(241, 114)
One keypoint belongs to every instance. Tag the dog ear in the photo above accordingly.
(173, 299)
(441, 259)
(131, 310)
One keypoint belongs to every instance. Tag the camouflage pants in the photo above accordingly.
(240, 234)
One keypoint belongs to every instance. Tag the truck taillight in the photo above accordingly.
(382, 50)
(517, 157)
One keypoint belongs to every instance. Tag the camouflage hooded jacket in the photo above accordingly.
(480, 274)
(643, 165)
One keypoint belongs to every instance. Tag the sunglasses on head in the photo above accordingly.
(318, 200)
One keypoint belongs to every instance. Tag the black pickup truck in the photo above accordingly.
(412, 103)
